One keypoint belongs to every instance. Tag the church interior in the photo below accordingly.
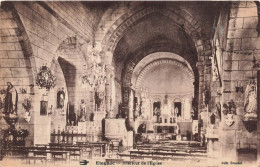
(119, 81)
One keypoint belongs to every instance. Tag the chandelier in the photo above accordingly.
(94, 76)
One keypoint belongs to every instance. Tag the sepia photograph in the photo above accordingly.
(129, 83)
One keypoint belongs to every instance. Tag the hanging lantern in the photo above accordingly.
(45, 78)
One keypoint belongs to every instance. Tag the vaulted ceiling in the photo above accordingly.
(158, 32)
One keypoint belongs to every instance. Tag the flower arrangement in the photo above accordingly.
(45, 78)
(22, 133)
(27, 106)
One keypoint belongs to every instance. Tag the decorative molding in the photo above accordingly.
(45, 78)
(163, 61)
(114, 34)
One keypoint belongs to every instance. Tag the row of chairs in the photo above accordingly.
(64, 152)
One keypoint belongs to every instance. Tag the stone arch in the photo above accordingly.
(190, 25)
(130, 64)
(157, 99)
(71, 59)
(114, 13)
(163, 61)
(69, 47)
(177, 99)
(22, 74)
(143, 52)
(25, 45)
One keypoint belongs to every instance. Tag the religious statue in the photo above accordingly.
(156, 110)
(82, 107)
(177, 129)
(143, 108)
(60, 98)
(11, 100)
(218, 109)
(250, 103)
(99, 100)
(172, 112)
(137, 109)
(215, 75)
(176, 111)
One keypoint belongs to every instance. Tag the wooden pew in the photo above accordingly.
(95, 148)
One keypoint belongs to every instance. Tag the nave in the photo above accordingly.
(175, 81)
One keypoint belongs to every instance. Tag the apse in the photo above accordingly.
(166, 79)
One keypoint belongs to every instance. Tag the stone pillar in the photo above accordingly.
(131, 106)
(108, 96)
(200, 98)
(110, 91)
(125, 107)
(189, 101)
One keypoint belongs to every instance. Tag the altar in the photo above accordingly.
(161, 117)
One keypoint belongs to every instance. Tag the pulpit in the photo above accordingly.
(115, 129)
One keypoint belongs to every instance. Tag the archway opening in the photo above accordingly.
(162, 89)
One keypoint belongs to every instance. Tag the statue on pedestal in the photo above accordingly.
(250, 105)
(176, 111)
(60, 98)
(82, 107)
(11, 100)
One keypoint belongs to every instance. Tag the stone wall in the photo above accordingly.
(31, 33)
(15, 66)
(242, 45)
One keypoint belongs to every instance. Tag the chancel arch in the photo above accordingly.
(163, 83)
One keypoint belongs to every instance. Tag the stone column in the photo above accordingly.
(200, 98)
(189, 108)
(131, 106)
(110, 91)
(108, 96)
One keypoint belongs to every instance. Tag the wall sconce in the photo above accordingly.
(255, 63)
(239, 88)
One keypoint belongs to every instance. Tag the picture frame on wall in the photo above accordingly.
(44, 107)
